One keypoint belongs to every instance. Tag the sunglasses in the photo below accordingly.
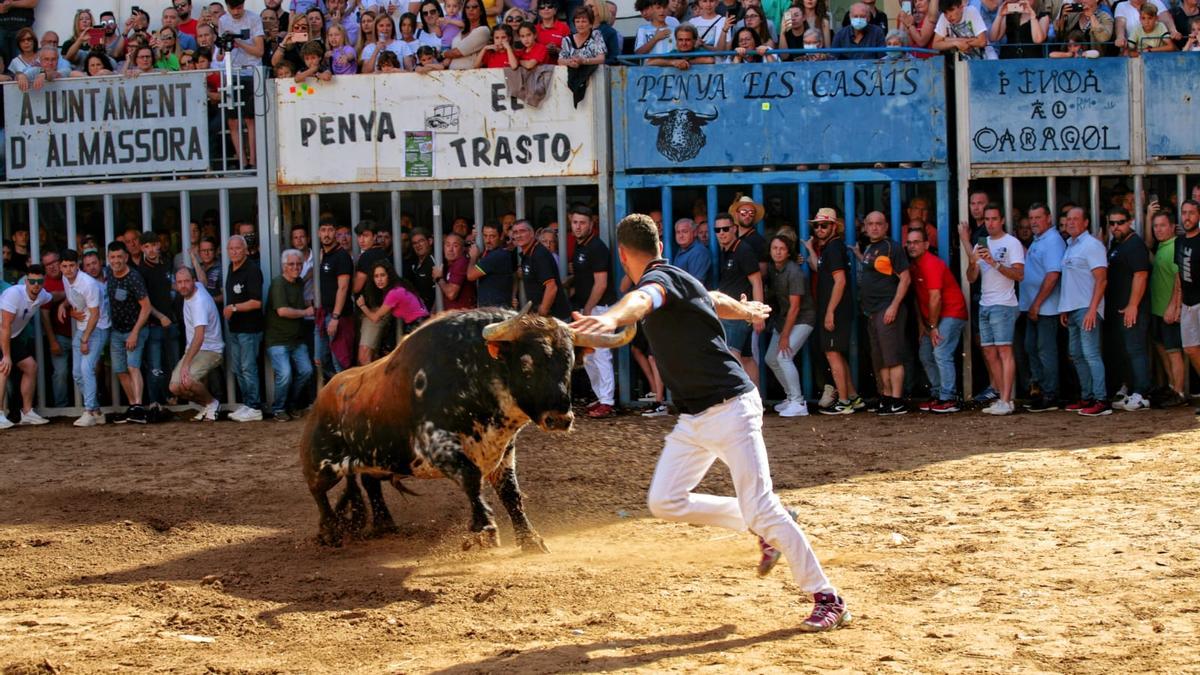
(1114, 221)
(34, 282)
(723, 229)
(512, 19)
(822, 226)
(430, 12)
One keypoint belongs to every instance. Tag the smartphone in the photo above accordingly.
(1013, 8)
(95, 37)
(300, 36)
(906, 7)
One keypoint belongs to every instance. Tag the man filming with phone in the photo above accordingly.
(1085, 17)
(241, 34)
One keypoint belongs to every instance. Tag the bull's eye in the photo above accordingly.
(419, 383)
(527, 364)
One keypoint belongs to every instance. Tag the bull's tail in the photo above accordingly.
(398, 483)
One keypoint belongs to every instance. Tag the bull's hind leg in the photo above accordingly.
(329, 531)
(445, 452)
(381, 518)
(351, 509)
(504, 481)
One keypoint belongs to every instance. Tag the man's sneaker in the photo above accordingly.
(781, 405)
(5, 423)
(659, 410)
(794, 409)
(875, 404)
(136, 415)
(1078, 405)
(591, 405)
(90, 419)
(1133, 403)
(999, 407)
(926, 406)
(1172, 399)
(943, 407)
(828, 613)
(120, 418)
(208, 413)
(600, 412)
(987, 395)
(839, 408)
(246, 414)
(648, 397)
(891, 406)
(31, 418)
(828, 397)
(857, 403)
(1042, 405)
(282, 416)
(770, 554)
(1118, 399)
(1096, 409)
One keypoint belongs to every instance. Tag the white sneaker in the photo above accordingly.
(828, 397)
(795, 409)
(208, 413)
(781, 405)
(245, 414)
(32, 418)
(5, 423)
(648, 397)
(659, 410)
(999, 408)
(1118, 399)
(87, 419)
(1133, 403)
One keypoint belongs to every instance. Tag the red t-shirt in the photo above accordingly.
(496, 59)
(456, 273)
(188, 27)
(537, 52)
(552, 36)
(929, 273)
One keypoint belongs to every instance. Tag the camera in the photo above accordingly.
(1073, 7)
(225, 40)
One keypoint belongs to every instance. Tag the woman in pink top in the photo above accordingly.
(389, 294)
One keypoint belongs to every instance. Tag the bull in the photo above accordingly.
(447, 402)
(680, 133)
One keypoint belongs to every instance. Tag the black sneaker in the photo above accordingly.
(1171, 399)
(136, 414)
(120, 418)
(842, 408)
(1042, 405)
(282, 416)
(892, 406)
(876, 404)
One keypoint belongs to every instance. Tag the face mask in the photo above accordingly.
(809, 45)
(858, 23)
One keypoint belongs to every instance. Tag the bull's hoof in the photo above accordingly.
(489, 537)
(383, 529)
(329, 536)
(532, 543)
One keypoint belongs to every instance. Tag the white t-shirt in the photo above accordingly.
(1132, 17)
(646, 32)
(971, 20)
(250, 21)
(200, 310)
(397, 47)
(709, 30)
(16, 300)
(997, 288)
(86, 293)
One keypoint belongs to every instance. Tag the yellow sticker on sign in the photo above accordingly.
(766, 105)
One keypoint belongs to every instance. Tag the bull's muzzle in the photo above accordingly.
(556, 421)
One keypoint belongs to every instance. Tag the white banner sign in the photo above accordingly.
(107, 126)
(440, 126)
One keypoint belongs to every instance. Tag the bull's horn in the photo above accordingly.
(608, 341)
(507, 330)
(651, 116)
(707, 115)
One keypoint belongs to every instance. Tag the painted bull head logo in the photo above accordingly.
(680, 136)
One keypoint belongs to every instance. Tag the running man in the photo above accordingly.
(721, 413)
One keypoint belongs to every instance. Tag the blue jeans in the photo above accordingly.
(293, 369)
(243, 357)
(1041, 344)
(321, 344)
(60, 379)
(939, 361)
(85, 365)
(1085, 352)
(1134, 368)
(161, 354)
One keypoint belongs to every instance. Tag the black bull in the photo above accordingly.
(447, 402)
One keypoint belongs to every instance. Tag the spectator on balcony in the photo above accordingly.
(341, 15)
(709, 25)
(453, 23)
(78, 46)
(246, 54)
(272, 35)
(1085, 17)
(919, 25)
(430, 15)
(114, 41)
(407, 28)
(1075, 48)
(1192, 44)
(1184, 15)
(316, 24)
(1127, 17)
(749, 49)
(315, 64)
(187, 59)
(47, 71)
(585, 47)
(754, 20)
(170, 19)
(429, 59)
(298, 35)
(514, 17)
(473, 37)
(530, 52)
(25, 58)
(1151, 35)
(794, 35)
(686, 42)
(896, 39)
(1017, 28)
(679, 10)
(960, 29)
(366, 33)
(97, 64)
(860, 33)
(141, 61)
(550, 30)
(206, 37)
(612, 37)
(657, 35)
(166, 54)
(499, 54)
(343, 60)
(812, 42)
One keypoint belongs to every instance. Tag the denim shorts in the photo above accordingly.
(124, 359)
(996, 324)
(737, 335)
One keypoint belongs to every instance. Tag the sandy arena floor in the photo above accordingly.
(963, 543)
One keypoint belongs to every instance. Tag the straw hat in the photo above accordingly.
(759, 211)
(825, 215)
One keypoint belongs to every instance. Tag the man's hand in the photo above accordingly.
(55, 348)
(185, 374)
(78, 315)
(935, 336)
(829, 324)
(228, 311)
(594, 325)
(131, 341)
(83, 344)
(1171, 316)
(758, 312)
(437, 272)
(5, 365)
(1034, 310)
(331, 328)
(1089, 320)
(1130, 315)
(964, 232)
(165, 321)
(889, 315)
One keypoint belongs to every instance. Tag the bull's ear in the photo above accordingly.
(494, 349)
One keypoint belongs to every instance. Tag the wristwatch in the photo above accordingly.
(335, 316)
(234, 306)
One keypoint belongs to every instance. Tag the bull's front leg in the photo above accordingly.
(445, 451)
(381, 518)
(504, 481)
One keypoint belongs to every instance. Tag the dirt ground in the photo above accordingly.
(964, 543)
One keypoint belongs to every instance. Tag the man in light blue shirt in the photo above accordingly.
(1081, 302)
(1039, 301)
(691, 256)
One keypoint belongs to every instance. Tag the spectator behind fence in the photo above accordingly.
(493, 272)
(85, 305)
(1085, 16)
(1127, 18)
(129, 310)
(835, 311)
(686, 42)
(539, 274)
(244, 314)
(385, 31)
(24, 58)
(691, 256)
(458, 291)
(1151, 34)
(749, 49)
(47, 70)
(370, 334)
(475, 34)
(884, 282)
(419, 266)
(1127, 295)
(942, 314)
(919, 25)
(287, 311)
(202, 330)
(1017, 29)
(960, 29)
(792, 321)
(58, 331)
(550, 30)
(859, 33)
(1039, 298)
(399, 298)
(1164, 308)
(739, 275)
(1084, 277)
(18, 305)
(593, 291)
(335, 331)
(499, 54)
(657, 35)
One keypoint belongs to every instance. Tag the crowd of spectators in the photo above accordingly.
(1127, 310)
